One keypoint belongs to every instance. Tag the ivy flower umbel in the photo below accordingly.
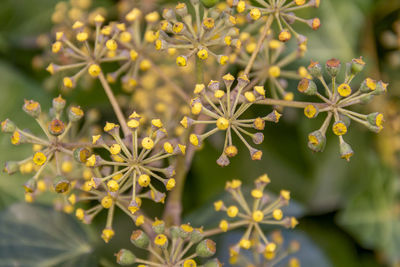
(133, 48)
(339, 96)
(282, 12)
(268, 68)
(170, 246)
(263, 211)
(224, 108)
(49, 150)
(202, 34)
(136, 160)
(277, 252)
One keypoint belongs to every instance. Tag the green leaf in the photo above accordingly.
(14, 87)
(39, 236)
(372, 216)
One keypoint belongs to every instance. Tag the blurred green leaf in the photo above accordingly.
(14, 87)
(373, 215)
(39, 236)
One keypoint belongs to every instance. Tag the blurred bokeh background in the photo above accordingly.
(349, 213)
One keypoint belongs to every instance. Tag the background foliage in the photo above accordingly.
(349, 212)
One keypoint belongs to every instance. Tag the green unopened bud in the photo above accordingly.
(185, 230)
(125, 257)
(181, 9)
(30, 185)
(381, 88)
(333, 67)
(209, 3)
(81, 154)
(58, 104)
(7, 126)
(206, 248)
(61, 184)
(307, 86)
(75, 114)
(158, 226)
(197, 235)
(315, 69)
(168, 14)
(174, 231)
(140, 239)
(368, 85)
(56, 127)
(357, 65)
(345, 151)
(213, 263)
(32, 108)
(375, 119)
(11, 167)
(316, 141)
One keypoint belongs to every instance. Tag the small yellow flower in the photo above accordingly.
(277, 214)
(82, 36)
(161, 240)
(223, 60)
(80, 214)
(258, 216)
(255, 13)
(177, 27)
(300, 2)
(112, 185)
(115, 149)
(310, 111)
(106, 202)
(231, 151)
(56, 47)
(256, 193)
(139, 220)
(199, 88)
(133, 123)
(274, 44)
(274, 71)
(224, 225)
(107, 234)
(284, 36)
(339, 128)
(147, 143)
(189, 263)
(133, 55)
(39, 158)
(344, 90)
(232, 211)
(245, 243)
(202, 54)
(152, 17)
(250, 96)
(144, 180)
(66, 166)
(94, 70)
(285, 194)
(194, 140)
(218, 205)
(241, 6)
(181, 61)
(222, 123)
(145, 64)
(170, 184)
(157, 123)
(371, 84)
(168, 147)
(111, 45)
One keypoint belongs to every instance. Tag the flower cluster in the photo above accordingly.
(200, 34)
(338, 97)
(170, 246)
(263, 211)
(225, 108)
(282, 12)
(135, 165)
(52, 156)
(268, 68)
